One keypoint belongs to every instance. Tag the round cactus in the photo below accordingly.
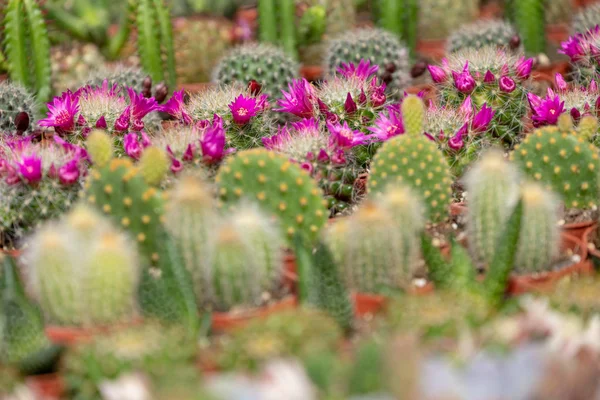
(563, 162)
(17, 109)
(582, 49)
(493, 187)
(495, 33)
(379, 47)
(378, 247)
(437, 18)
(83, 271)
(245, 260)
(263, 63)
(154, 165)
(418, 163)
(71, 65)
(100, 148)
(586, 19)
(124, 76)
(281, 188)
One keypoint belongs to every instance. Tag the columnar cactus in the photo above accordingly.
(586, 19)
(268, 65)
(490, 76)
(378, 247)
(83, 271)
(529, 17)
(582, 49)
(493, 188)
(27, 46)
(479, 34)
(245, 261)
(379, 47)
(402, 18)
(445, 16)
(277, 24)
(281, 188)
(563, 162)
(17, 109)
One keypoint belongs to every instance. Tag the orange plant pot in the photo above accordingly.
(227, 321)
(46, 387)
(579, 229)
(70, 335)
(312, 73)
(434, 49)
(193, 88)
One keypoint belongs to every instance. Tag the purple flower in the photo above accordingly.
(212, 142)
(175, 107)
(132, 146)
(61, 113)
(350, 105)
(489, 77)
(560, 82)
(466, 108)
(243, 109)
(342, 137)
(437, 74)
(69, 173)
(523, 67)
(456, 142)
(545, 111)
(388, 126)
(506, 84)
(362, 72)
(464, 82)
(299, 100)
(482, 119)
(30, 168)
(141, 106)
(575, 114)
(277, 141)
(122, 123)
(307, 126)
(573, 47)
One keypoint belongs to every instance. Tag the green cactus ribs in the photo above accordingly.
(479, 34)
(416, 162)
(279, 186)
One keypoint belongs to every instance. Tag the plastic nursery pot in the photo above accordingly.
(312, 73)
(434, 49)
(519, 284)
(47, 386)
(579, 229)
(226, 321)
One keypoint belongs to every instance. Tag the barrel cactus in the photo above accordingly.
(437, 18)
(282, 189)
(379, 47)
(586, 18)
(479, 34)
(268, 65)
(124, 77)
(18, 109)
(582, 49)
(82, 270)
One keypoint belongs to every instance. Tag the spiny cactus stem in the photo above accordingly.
(267, 21)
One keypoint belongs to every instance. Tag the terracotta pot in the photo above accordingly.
(579, 229)
(519, 284)
(430, 92)
(492, 10)
(46, 387)
(312, 73)
(557, 33)
(366, 304)
(290, 272)
(193, 88)
(593, 253)
(458, 208)
(547, 72)
(226, 321)
(434, 49)
(12, 252)
(69, 335)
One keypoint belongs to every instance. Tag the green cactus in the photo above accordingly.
(23, 342)
(563, 162)
(100, 148)
(378, 247)
(577, 294)
(83, 271)
(437, 18)
(413, 115)
(199, 43)
(479, 34)
(72, 63)
(27, 46)
(416, 162)
(15, 99)
(155, 41)
(588, 129)
(277, 24)
(264, 63)
(378, 46)
(121, 75)
(280, 187)
(154, 165)
(529, 18)
(493, 188)
(586, 18)
(401, 17)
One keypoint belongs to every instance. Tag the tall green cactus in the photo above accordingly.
(155, 41)
(27, 46)
(529, 18)
(402, 18)
(270, 12)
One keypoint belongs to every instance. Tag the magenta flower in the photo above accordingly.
(61, 113)
(464, 81)
(176, 108)
(545, 111)
(299, 100)
(507, 84)
(466, 108)
(362, 72)
(30, 168)
(482, 119)
(489, 77)
(560, 82)
(456, 142)
(342, 137)
(140, 107)
(133, 148)
(437, 74)
(523, 67)
(277, 141)
(122, 123)
(243, 109)
(350, 106)
(573, 47)
(212, 142)
(69, 173)
(388, 126)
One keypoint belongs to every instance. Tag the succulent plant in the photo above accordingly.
(126, 77)
(582, 48)
(576, 295)
(563, 162)
(529, 17)
(586, 19)
(379, 47)
(241, 113)
(150, 348)
(378, 247)
(299, 333)
(446, 16)
(490, 76)
(268, 65)
(39, 181)
(83, 271)
(282, 189)
(400, 17)
(71, 65)
(199, 43)
(18, 109)
(480, 34)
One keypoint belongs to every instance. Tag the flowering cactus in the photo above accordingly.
(37, 181)
(325, 154)
(242, 113)
(490, 76)
(583, 50)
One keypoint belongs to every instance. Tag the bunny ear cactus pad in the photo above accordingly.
(563, 162)
(416, 162)
(279, 186)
